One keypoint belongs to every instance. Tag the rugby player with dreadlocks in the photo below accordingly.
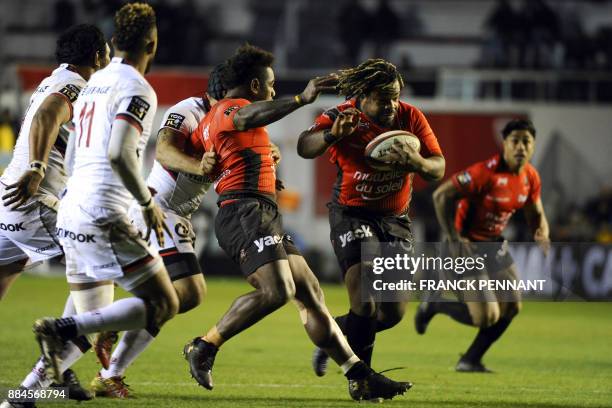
(368, 205)
(249, 227)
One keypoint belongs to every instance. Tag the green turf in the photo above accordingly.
(554, 355)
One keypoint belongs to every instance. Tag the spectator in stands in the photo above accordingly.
(578, 48)
(541, 24)
(501, 48)
(572, 226)
(599, 213)
(64, 15)
(603, 48)
(385, 29)
(7, 133)
(7, 138)
(353, 20)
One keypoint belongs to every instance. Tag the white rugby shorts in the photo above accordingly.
(101, 244)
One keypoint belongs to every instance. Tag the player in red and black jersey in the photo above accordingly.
(249, 226)
(369, 205)
(474, 206)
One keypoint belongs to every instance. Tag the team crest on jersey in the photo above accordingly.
(174, 121)
(464, 178)
(502, 181)
(71, 92)
(230, 110)
(138, 107)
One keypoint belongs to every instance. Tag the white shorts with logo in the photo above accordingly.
(29, 233)
(182, 235)
(101, 244)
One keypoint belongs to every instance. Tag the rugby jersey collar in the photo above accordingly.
(67, 67)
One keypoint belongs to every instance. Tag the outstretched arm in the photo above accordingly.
(262, 113)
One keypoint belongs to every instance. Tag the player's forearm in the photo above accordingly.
(444, 207)
(432, 168)
(128, 170)
(43, 134)
(171, 157)
(539, 222)
(312, 144)
(262, 113)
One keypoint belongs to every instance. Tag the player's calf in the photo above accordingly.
(484, 314)
(8, 274)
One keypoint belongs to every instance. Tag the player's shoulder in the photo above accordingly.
(532, 173)
(408, 111)
(131, 83)
(485, 167)
(185, 115)
(226, 106)
(65, 81)
(187, 106)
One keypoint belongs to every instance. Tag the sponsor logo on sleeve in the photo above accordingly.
(138, 107)
(230, 110)
(71, 92)
(174, 121)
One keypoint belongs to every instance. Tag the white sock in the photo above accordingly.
(91, 299)
(69, 309)
(124, 314)
(348, 364)
(38, 377)
(132, 344)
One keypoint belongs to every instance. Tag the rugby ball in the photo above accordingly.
(377, 152)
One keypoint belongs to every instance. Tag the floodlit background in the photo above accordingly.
(470, 65)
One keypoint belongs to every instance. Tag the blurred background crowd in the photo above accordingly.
(547, 60)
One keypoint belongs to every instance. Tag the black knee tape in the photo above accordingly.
(180, 265)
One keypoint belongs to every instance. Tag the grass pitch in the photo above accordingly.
(553, 355)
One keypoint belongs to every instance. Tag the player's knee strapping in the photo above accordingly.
(90, 299)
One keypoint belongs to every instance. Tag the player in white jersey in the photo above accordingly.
(31, 183)
(179, 182)
(113, 118)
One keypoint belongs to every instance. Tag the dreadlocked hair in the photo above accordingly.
(373, 74)
(245, 65)
(133, 22)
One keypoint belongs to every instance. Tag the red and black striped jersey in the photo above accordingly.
(244, 161)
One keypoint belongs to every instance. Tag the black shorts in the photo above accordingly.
(350, 227)
(180, 264)
(250, 231)
(496, 254)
